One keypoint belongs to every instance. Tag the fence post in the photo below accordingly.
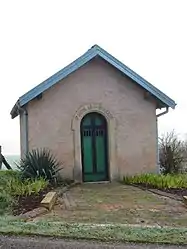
(3, 160)
(0, 158)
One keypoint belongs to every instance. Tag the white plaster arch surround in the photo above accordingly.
(111, 125)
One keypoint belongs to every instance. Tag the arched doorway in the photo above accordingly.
(94, 147)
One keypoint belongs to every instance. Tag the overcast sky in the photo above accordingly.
(38, 38)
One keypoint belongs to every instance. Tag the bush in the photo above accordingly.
(172, 154)
(12, 183)
(7, 175)
(6, 202)
(15, 187)
(40, 163)
(158, 181)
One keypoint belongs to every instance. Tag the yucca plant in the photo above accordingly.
(40, 163)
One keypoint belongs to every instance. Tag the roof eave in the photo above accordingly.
(15, 110)
(171, 105)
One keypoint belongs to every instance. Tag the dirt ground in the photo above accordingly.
(117, 203)
(27, 203)
(49, 243)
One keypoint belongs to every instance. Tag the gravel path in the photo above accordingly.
(7, 242)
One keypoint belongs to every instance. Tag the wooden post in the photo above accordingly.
(0, 159)
(3, 160)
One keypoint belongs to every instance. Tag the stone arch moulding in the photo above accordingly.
(111, 123)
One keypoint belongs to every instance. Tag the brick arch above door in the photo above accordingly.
(111, 122)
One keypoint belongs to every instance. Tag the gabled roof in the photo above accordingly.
(86, 57)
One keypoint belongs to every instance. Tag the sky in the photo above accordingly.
(38, 38)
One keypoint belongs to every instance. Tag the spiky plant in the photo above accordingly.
(40, 163)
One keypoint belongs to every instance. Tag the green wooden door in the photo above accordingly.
(94, 148)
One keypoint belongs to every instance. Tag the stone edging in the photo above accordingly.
(42, 210)
(159, 192)
(33, 213)
(61, 191)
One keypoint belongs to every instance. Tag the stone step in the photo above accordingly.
(49, 200)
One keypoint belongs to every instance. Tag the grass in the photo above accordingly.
(158, 180)
(115, 233)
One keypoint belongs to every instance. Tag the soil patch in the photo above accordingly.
(27, 203)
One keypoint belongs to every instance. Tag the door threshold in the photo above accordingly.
(100, 182)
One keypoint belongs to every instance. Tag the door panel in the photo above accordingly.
(98, 121)
(100, 150)
(87, 121)
(87, 151)
(94, 147)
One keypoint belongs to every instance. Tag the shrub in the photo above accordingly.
(15, 187)
(6, 202)
(40, 163)
(171, 154)
(10, 173)
(158, 181)
(7, 175)
(12, 183)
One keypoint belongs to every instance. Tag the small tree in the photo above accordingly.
(172, 153)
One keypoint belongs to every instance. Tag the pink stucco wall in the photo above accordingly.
(50, 118)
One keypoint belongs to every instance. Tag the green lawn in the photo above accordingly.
(117, 233)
